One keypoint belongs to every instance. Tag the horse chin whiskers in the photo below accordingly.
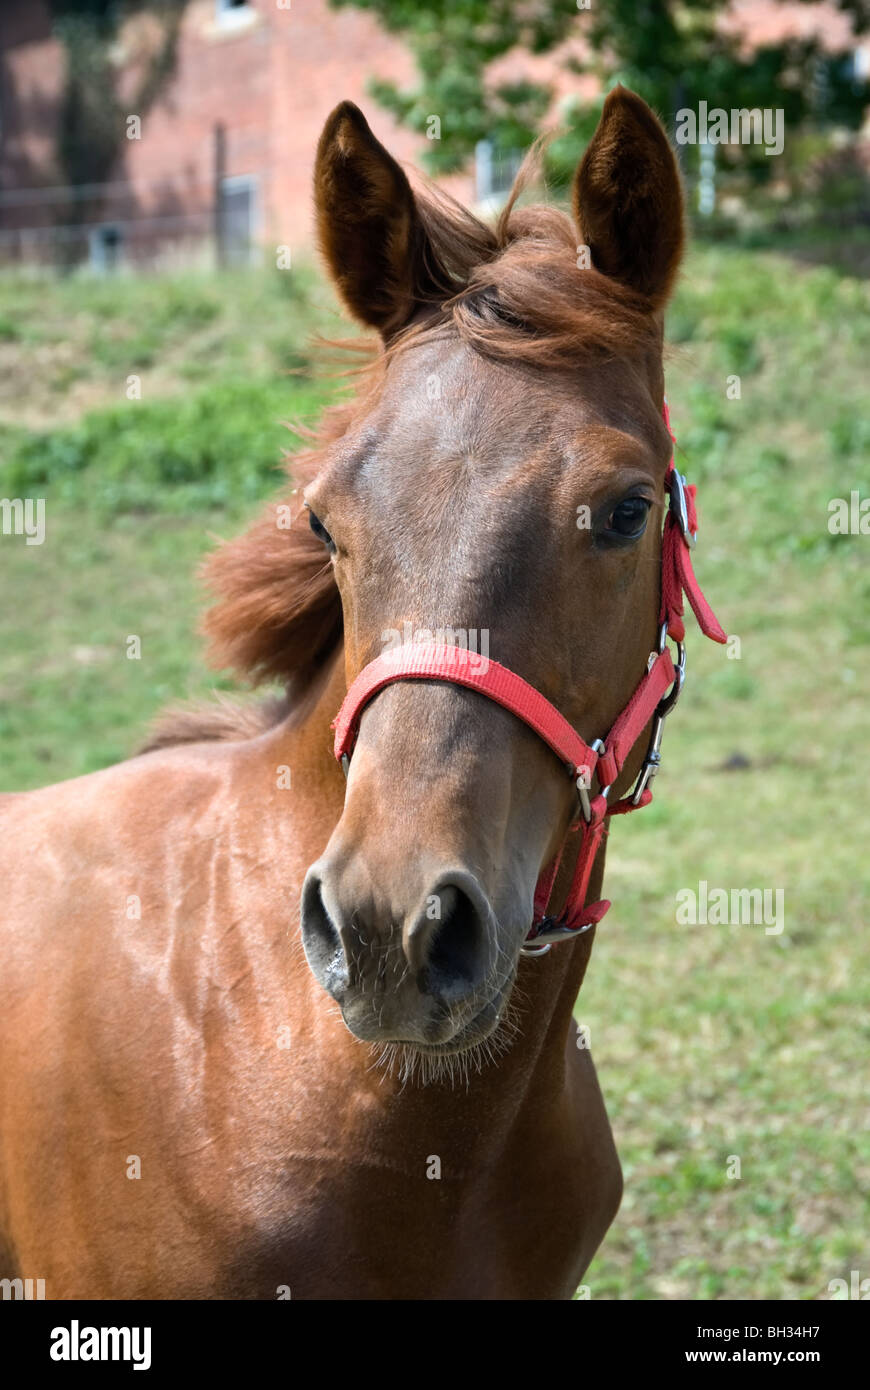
(422, 1065)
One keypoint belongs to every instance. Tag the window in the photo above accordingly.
(495, 171)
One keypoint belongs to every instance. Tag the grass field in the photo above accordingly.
(711, 1041)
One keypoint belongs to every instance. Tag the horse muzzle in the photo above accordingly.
(422, 973)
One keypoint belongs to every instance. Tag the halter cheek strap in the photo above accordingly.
(653, 699)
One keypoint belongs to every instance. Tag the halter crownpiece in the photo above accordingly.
(653, 699)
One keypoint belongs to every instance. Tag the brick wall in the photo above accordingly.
(270, 80)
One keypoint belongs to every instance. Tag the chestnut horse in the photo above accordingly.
(197, 1098)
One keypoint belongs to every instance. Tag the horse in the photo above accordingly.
(280, 1023)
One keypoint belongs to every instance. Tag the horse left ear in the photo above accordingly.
(368, 225)
(628, 199)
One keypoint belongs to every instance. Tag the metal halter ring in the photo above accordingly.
(679, 506)
(653, 759)
(555, 932)
(533, 950)
(668, 701)
(597, 746)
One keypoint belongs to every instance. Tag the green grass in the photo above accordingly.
(715, 1041)
(710, 1041)
(68, 346)
(70, 700)
(218, 445)
(136, 490)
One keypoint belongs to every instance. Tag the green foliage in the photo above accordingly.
(670, 51)
(222, 443)
(222, 360)
(453, 44)
(73, 342)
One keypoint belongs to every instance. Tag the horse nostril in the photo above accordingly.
(321, 938)
(454, 957)
(449, 947)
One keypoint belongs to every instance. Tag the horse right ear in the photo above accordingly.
(368, 226)
(628, 200)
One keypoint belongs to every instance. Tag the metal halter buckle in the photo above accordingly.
(679, 507)
(653, 760)
(549, 935)
(597, 746)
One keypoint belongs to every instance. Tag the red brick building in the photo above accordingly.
(242, 109)
(227, 144)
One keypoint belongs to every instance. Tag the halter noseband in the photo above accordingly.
(653, 699)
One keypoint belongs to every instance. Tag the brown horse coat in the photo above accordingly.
(183, 1111)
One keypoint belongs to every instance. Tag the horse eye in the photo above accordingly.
(320, 531)
(628, 520)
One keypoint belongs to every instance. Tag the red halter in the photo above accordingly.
(653, 699)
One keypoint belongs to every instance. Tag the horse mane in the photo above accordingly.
(517, 291)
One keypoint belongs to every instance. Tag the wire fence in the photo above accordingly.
(108, 244)
(106, 226)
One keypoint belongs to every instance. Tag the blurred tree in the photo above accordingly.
(93, 120)
(453, 43)
(672, 52)
(92, 123)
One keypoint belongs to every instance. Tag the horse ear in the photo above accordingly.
(628, 199)
(367, 224)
